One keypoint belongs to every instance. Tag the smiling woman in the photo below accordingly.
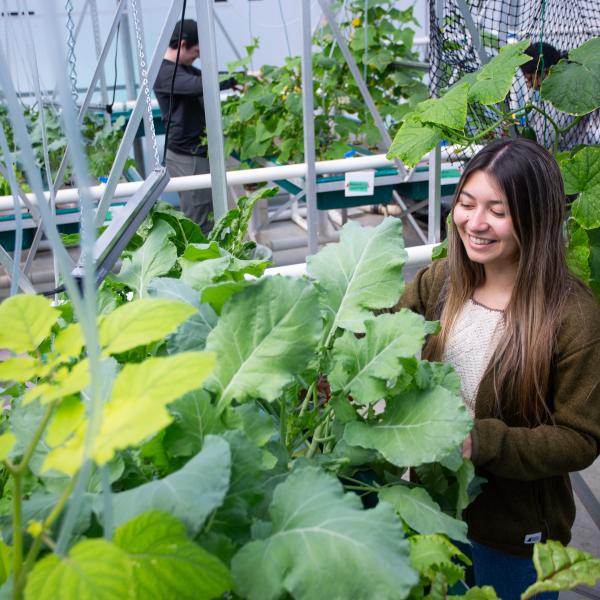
(524, 336)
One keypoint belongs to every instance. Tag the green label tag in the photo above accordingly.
(358, 186)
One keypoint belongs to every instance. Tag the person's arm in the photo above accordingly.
(187, 82)
(572, 443)
(417, 295)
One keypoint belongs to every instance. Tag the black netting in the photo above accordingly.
(455, 38)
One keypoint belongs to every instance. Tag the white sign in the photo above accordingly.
(359, 183)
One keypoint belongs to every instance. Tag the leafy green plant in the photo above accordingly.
(265, 120)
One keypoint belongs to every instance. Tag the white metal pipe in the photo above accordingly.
(417, 256)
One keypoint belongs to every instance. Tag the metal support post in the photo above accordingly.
(475, 36)
(136, 113)
(98, 46)
(130, 86)
(434, 214)
(310, 187)
(212, 105)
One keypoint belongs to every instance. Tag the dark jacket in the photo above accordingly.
(188, 123)
(528, 490)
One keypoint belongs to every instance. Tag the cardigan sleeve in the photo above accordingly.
(423, 291)
(572, 442)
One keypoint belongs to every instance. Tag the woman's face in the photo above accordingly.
(484, 224)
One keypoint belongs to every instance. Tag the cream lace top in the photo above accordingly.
(470, 346)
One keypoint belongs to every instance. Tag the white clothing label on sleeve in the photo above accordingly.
(359, 183)
(533, 538)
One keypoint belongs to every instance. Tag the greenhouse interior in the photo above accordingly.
(299, 299)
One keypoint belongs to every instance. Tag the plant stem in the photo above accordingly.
(17, 532)
(20, 468)
(309, 393)
(283, 423)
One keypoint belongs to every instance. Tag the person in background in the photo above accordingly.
(523, 334)
(186, 153)
(586, 131)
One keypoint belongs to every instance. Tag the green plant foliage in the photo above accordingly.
(190, 494)
(560, 568)
(573, 85)
(155, 257)
(433, 554)
(416, 507)
(25, 321)
(166, 564)
(415, 428)
(259, 353)
(337, 537)
(80, 575)
(369, 277)
(365, 365)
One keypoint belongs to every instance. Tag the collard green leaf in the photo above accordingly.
(256, 424)
(360, 273)
(141, 322)
(93, 570)
(267, 333)
(448, 111)
(422, 514)
(573, 86)
(193, 333)
(25, 321)
(363, 366)
(189, 494)
(216, 295)
(560, 568)
(166, 564)
(413, 141)
(415, 428)
(318, 537)
(154, 258)
(494, 80)
(169, 288)
(431, 554)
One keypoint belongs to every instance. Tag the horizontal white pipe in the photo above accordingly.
(418, 256)
(199, 182)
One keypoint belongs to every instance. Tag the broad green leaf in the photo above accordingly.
(18, 369)
(200, 252)
(573, 86)
(154, 258)
(586, 209)
(256, 424)
(216, 295)
(360, 273)
(421, 513)
(560, 568)
(581, 171)
(93, 570)
(578, 250)
(168, 288)
(66, 382)
(495, 79)
(448, 111)
(166, 564)
(141, 392)
(434, 553)
(67, 418)
(7, 442)
(193, 333)
(194, 417)
(25, 321)
(267, 333)
(363, 366)
(322, 544)
(190, 494)
(415, 428)
(141, 322)
(413, 141)
(486, 592)
(69, 341)
(594, 280)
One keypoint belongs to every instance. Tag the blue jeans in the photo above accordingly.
(508, 574)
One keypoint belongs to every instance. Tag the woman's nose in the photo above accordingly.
(477, 220)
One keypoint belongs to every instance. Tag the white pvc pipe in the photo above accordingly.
(418, 256)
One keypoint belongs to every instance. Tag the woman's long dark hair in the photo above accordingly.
(521, 366)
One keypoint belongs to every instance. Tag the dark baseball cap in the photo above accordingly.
(189, 33)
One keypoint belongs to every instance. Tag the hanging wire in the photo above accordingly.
(543, 21)
(72, 64)
(285, 31)
(250, 30)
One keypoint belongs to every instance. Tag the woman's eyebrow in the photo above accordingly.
(473, 198)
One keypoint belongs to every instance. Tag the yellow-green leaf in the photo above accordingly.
(7, 441)
(67, 458)
(25, 321)
(18, 369)
(67, 382)
(5, 561)
(68, 417)
(141, 392)
(142, 322)
(69, 341)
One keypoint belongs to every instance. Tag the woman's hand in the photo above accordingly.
(467, 447)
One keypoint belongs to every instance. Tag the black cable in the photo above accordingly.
(164, 160)
(109, 107)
